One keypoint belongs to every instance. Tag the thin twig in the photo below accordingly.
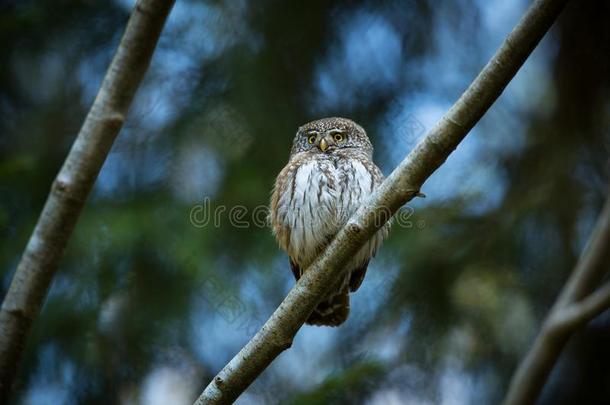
(401, 186)
(72, 185)
(578, 313)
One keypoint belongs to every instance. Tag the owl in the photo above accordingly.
(329, 175)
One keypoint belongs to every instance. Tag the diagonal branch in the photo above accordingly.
(72, 185)
(401, 186)
(593, 263)
(572, 309)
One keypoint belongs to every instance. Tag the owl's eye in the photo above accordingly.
(311, 139)
(338, 137)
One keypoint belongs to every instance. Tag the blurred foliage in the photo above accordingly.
(149, 304)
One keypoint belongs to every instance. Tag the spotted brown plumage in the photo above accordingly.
(329, 175)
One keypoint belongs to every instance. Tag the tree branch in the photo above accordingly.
(401, 186)
(572, 309)
(72, 185)
(579, 313)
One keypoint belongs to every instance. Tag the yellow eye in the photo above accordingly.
(311, 139)
(338, 137)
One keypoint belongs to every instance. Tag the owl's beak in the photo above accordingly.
(323, 145)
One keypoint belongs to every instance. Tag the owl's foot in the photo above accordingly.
(331, 312)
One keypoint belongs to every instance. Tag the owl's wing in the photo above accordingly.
(376, 178)
(280, 205)
(296, 270)
(357, 276)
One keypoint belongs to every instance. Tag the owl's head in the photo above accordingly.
(328, 135)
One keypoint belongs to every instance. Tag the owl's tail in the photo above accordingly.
(332, 311)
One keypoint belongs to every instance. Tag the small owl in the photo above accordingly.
(329, 175)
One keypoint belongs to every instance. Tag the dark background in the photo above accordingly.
(150, 302)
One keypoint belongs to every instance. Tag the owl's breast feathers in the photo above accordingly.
(314, 196)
